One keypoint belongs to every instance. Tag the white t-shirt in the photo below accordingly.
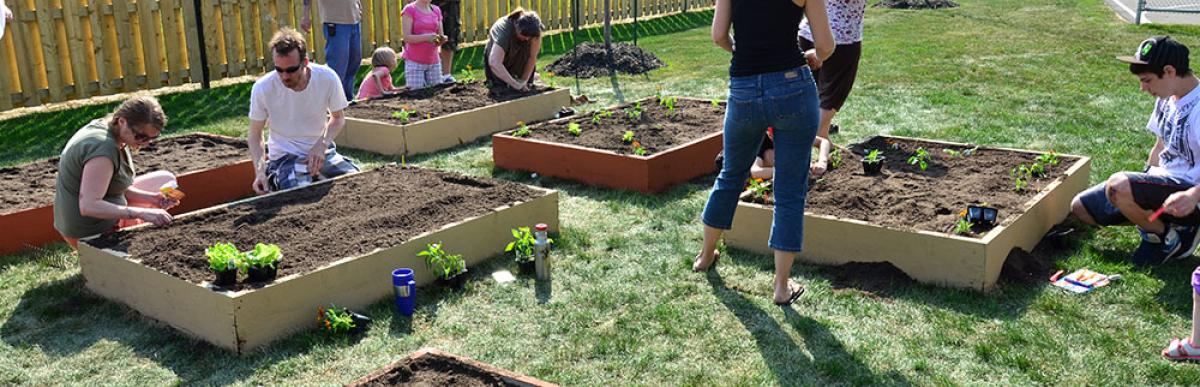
(1174, 123)
(296, 120)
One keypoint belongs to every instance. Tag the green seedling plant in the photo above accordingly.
(635, 113)
(264, 256)
(835, 159)
(873, 157)
(574, 129)
(223, 256)
(1021, 175)
(952, 152)
(760, 189)
(335, 320)
(549, 77)
(444, 265)
(921, 159)
(715, 103)
(638, 150)
(1037, 169)
(1049, 158)
(403, 114)
(522, 247)
(522, 130)
(466, 76)
(963, 226)
(669, 103)
(627, 137)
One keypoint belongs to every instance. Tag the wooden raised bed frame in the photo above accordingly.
(244, 320)
(605, 168)
(34, 227)
(509, 377)
(926, 256)
(451, 130)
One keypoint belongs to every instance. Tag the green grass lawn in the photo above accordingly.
(625, 308)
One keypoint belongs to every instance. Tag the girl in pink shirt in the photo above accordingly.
(423, 35)
(379, 81)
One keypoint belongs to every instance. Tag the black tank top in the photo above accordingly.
(765, 36)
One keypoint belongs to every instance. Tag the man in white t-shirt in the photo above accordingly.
(293, 102)
(1169, 182)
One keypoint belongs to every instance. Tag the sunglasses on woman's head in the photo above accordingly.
(142, 137)
(288, 70)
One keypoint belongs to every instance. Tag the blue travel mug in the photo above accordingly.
(405, 286)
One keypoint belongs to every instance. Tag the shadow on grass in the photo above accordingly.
(830, 364)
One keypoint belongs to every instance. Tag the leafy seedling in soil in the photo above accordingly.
(466, 76)
(1049, 158)
(760, 190)
(1037, 169)
(951, 153)
(574, 129)
(1021, 175)
(638, 150)
(872, 163)
(963, 226)
(262, 263)
(873, 157)
(549, 77)
(635, 113)
(403, 114)
(715, 103)
(835, 159)
(921, 159)
(443, 265)
(522, 130)
(669, 103)
(222, 257)
(627, 137)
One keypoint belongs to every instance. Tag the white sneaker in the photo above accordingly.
(448, 79)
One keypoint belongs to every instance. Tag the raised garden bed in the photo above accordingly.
(432, 367)
(678, 145)
(211, 170)
(340, 239)
(443, 116)
(907, 216)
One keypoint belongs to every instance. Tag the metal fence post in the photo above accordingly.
(1137, 19)
(204, 78)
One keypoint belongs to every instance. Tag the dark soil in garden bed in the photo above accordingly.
(432, 370)
(322, 223)
(590, 60)
(436, 101)
(656, 130)
(916, 4)
(32, 185)
(905, 197)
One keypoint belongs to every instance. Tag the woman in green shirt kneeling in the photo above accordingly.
(97, 189)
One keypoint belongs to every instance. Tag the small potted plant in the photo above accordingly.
(223, 259)
(872, 163)
(335, 320)
(522, 249)
(262, 263)
(760, 190)
(449, 269)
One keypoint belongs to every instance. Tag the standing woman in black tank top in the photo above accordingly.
(770, 85)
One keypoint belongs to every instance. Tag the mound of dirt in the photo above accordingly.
(916, 4)
(589, 60)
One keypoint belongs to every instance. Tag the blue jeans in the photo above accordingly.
(787, 101)
(343, 53)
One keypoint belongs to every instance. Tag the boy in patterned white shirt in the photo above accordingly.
(1172, 171)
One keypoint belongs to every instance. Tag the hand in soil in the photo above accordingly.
(817, 169)
(260, 184)
(158, 216)
(316, 157)
(702, 263)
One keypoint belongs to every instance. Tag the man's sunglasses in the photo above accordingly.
(142, 137)
(288, 70)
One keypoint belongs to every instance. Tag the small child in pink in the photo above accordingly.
(379, 81)
(423, 37)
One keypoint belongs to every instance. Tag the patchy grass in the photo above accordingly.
(625, 308)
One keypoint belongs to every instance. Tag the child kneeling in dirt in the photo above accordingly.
(379, 82)
(764, 164)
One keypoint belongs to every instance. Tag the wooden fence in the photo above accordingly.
(59, 50)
